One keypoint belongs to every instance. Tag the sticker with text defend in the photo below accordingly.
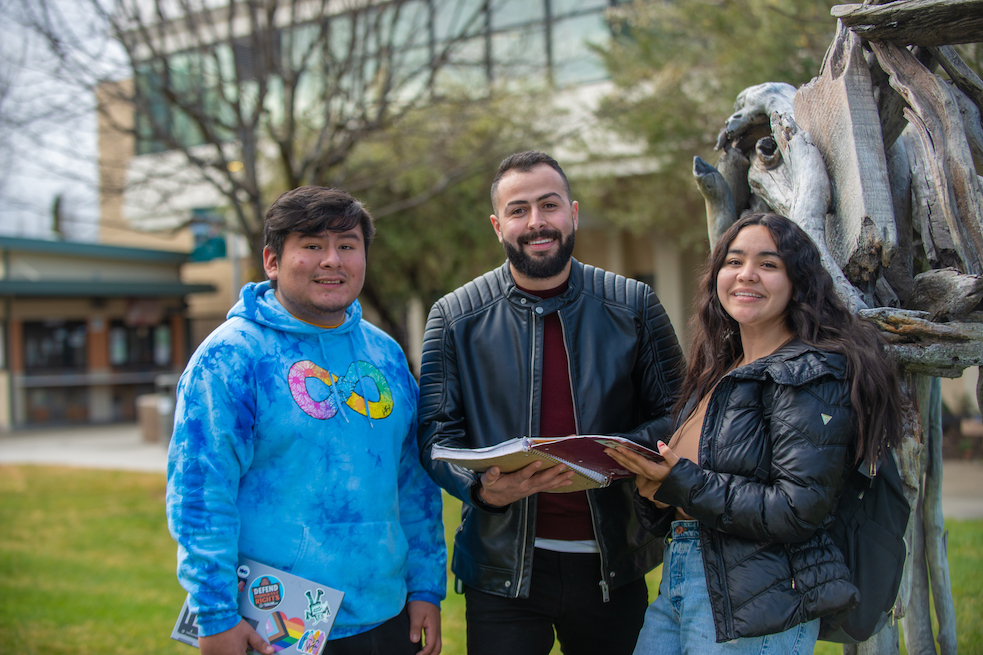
(266, 592)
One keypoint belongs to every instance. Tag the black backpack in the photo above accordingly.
(868, 526)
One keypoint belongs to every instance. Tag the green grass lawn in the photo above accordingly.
(87, 567)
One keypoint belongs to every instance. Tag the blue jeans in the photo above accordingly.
(680, 620)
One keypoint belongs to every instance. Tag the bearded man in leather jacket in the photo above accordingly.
(546, 346)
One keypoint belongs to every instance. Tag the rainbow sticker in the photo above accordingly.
(266, 592)
(311, 642)
(283, 632)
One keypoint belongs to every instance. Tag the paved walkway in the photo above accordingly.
(104, 447)
(121, 447)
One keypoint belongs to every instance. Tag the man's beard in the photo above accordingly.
(540, 267)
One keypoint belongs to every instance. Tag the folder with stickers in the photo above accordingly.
(293, 614)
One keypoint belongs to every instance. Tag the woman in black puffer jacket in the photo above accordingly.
(786, 390)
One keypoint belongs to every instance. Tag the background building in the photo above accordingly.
(87, 329)
(541, 44)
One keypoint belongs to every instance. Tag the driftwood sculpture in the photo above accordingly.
(874, 159)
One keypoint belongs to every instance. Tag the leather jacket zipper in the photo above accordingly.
(526, 501)
(603, 584)
(522, 552)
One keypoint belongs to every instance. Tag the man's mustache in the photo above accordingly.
(542, 234)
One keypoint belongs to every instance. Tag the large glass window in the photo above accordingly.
(453, 18)
(139, 347)
(467, 67)
(520, 54)
(574, 62)
(54, 346)
(510, 13)
(561, 7)
(506, 39)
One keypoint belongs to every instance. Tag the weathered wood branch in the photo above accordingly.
(915, 22)
(931, 203)
(718, 198)
(936, 118)
(754, 107)
(961, 74)
(838, 110)
(928, 348)
(971, 121)
(771, 180)
(936, 545)
(733, 165)
(890, 103)
(909, 456)
(945, 293)
(789, 174)
(913, 326)
(900, 274)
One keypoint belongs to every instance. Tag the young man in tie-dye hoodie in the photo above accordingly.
(295, 445)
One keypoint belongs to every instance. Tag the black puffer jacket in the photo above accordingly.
(774, 448)
(480, 385)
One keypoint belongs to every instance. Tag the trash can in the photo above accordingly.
(148, 417)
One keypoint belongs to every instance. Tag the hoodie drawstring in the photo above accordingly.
(337, 398)
(361, 385)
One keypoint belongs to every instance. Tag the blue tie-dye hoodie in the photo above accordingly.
(275, 457)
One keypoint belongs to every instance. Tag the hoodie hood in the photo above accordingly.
(258, 303)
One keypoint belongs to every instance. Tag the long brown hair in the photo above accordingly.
(817, 317)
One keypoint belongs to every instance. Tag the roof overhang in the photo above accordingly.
(92, 250)
(99, 289)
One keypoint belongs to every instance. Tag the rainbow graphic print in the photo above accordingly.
(360, 377)
(283, 632)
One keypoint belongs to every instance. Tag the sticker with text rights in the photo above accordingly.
(266, 592)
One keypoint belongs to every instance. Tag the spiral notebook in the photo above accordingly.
(583, 454)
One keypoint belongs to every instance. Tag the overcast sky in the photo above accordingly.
(47, 140)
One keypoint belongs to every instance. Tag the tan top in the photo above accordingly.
(686, 440)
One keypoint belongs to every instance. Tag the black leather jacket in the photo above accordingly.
(774, 449)
(480, 385)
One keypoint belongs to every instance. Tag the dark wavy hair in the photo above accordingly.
(313, 210)
(817, 317)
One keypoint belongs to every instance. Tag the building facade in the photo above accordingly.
(87, 328)
(541, 42)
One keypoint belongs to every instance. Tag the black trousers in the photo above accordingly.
(390, 638)
(565, 596)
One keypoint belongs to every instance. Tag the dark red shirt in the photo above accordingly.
(563, 516)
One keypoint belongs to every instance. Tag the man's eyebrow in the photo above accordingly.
(526, 202)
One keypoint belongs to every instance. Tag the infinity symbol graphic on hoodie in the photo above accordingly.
(340, 390)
